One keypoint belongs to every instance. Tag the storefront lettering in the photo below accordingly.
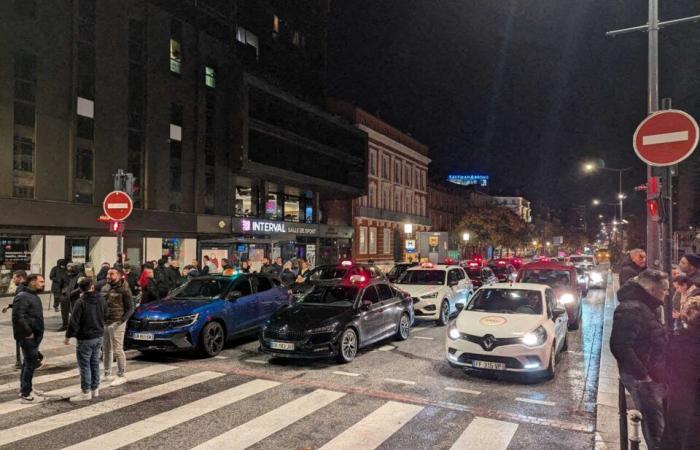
(269, 227)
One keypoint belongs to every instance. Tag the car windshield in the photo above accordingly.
(396, 271)
(506, 301)
(552, 278)
(331, 295)
(201, 289)
(327, 273)
(436, 277)
(581, 259)
(500, 270)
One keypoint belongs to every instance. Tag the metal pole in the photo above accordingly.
(653, 232)
(622, 411)
(667, 217)
(635, 424)
(622, 217)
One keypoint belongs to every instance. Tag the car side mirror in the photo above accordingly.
(365, 305)
(556, 312)
(234, 295)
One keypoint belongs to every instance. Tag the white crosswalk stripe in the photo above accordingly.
(148, 427)
(37, 427)
(258, 429)
(485, 433)
(42, 379)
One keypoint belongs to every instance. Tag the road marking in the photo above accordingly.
(665, 138)
(386, 348)
(16, 405)
(397, 381)
(168, 419)
(423, 337)
(465, 391)
(486, 433)
(347, 374)
(255, 361)
(221, 357)
(51, 361)
(370, 432)
(537, 402)
(417, 329)
(243, 436)
(42, 379)
(40, 426)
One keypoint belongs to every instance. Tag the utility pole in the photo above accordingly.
(123, 181)
(654, 238)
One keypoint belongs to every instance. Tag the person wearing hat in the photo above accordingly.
(690, 265)
(87, 324)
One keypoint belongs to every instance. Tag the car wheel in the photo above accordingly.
(212, 339)
(444, 313)
(552, 368)
(348, 346)
(404, 327)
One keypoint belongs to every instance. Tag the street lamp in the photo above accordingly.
(465, 237)
(548, 243)
(595, 202)
(408, 228)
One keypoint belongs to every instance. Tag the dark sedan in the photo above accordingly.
(337, 318)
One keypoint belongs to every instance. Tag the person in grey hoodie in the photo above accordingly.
(119, 308)
(87, 323)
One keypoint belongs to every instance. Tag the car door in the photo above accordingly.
(242, 309)
(453, 286)
(391, 306)
(559, 322)
(266, 298)
(465, 285)
(371, 314)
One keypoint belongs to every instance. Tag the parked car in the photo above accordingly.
(563, 279)
(206, 312)
(325, 273)
(399, 269)
(479, 275)
(504, 271)
(338, 318)
(508, 328)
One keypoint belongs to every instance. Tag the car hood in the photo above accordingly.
(168, 308)
(499, 325)
(416, 290)
(304, 316)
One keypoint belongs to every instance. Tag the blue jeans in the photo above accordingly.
(648, 399)
(30, 351)
(88, 353)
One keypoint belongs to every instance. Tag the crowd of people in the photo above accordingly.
(659, 357)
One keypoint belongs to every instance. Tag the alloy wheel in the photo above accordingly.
(348, 345)
(215, 339)
(404, 326)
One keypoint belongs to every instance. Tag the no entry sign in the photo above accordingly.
(117, 205)
(666, 138)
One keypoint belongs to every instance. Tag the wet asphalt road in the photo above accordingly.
(411, 377)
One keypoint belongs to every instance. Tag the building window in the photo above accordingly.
(373, 163)
(23, 191)
(134, 163)
(296, 38)
(175, 122)
(416, 203)
(273, 206)
(209, 190)
(176, 47)
(83, 164)
(386, 241)
(292, 208)
(245, 202)
(24, 114)
(275, 24)
(386, 168)
(248, 38)
(397, 200)
(23, 156)
(386, 203)
(85, 128)
(397, 171)
(363, 241)
(175, 166)
(372, 195)
(25, 77)
(85, 107)
(408, 203)
(209, 77)
(372, 240)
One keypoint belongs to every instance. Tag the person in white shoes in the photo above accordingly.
(87, 324)
(120, 305)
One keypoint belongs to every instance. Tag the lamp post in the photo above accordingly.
(590, 167)
(465, 242)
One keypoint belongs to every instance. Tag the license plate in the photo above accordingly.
(489, 365)
(142, 336)
(281, 345)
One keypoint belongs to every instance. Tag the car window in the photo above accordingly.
(452, 275)
(201, 289)
(506, 301)
(551, 277)
(243, 286)
(385, 292)
(332, 296)
(435, 277)
(263, 284)
(460, 274)
(370, 294)
(327, 273)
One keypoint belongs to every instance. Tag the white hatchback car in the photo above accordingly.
(513, 327)
(436, 290)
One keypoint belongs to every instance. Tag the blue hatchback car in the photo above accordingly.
(205, 312)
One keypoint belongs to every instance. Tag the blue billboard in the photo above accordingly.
(469, 179)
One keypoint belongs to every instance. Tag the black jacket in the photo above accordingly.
(132, 279)
(288, 277)
(27, 314)
(120, 305)
(102, 274)
(70, 289)
(58, 276)
(149, 293)
(638, 339)
(174, 277)
(88, 318)
(629, 270)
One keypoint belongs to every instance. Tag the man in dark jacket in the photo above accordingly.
(58, 279)
(633, 266)
(119, 307)
(70, 293)
(28, 330)
(161, 279)
(173, 274)
(131, 276)
(638, 343)
(690, 266)
(87, 324)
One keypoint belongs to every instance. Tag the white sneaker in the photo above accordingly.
(83, 396)
(96, 393)
(119, 380)
(31, 398)
(107, 378)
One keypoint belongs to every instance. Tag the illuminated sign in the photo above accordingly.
(255, 226)
(469, 179)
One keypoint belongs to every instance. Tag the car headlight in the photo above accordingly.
(431, 295)
(184, 321)
(327, 329)
(453, 333)
(535, 338)
(565, 299)
(596, 277)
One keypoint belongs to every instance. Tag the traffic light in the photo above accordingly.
(116, 226)
(654, 207)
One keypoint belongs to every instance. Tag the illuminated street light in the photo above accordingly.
(548, 243)
(465, 237)
(596, 202)
(589, 167)
(408, 228)
(621, 196)
(600, 216)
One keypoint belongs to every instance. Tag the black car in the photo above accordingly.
(337, 318)
(399, 269)
(481, 276)
(326, 273)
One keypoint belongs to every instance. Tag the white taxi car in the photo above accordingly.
(514, 327)
(436, 289)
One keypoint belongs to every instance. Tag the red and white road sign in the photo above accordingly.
(117, 205)
(666, 138)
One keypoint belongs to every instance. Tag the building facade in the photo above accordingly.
(216, 108)
(518, 205)
(387, 219)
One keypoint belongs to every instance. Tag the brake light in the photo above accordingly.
(501, 263)
(346, 263)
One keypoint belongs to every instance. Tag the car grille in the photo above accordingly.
(148, 325)
(495, 342)
(511, 363)
(283, 334)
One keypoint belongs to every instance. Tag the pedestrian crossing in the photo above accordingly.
(173, 415)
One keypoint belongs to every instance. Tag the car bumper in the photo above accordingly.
(173, 341)
(517, 358)
(311, 347)
(426, 309)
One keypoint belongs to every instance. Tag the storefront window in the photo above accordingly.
(293, 211)
(77, 249)
(15, 254)
(171, 248)
(245, 202)
(273, 206)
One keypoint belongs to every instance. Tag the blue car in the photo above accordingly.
(205, 312)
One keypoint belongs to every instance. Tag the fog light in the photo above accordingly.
(532, 365)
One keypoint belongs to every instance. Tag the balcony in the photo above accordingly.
(394, 216)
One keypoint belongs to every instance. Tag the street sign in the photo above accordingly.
(116, 226)
(117, 205)
(666, 138)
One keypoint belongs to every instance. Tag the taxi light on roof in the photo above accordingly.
(473, 264)
(358, 279)
(428, 265)
(501, 263)
(346, 263)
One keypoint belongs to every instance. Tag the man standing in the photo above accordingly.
(633, 266)
(58, 279)
(19, 277)
(28, 330)
(70, 293)
(120, 305)
(87, 326)
(173, 274)
(638, 343)
(690, 265)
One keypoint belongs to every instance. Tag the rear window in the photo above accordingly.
(327, 273)
(436, 277)
(552, 278)
(331, 295)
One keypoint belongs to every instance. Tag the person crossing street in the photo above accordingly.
(119, 307)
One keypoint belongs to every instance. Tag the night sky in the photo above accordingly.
(523, 90)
